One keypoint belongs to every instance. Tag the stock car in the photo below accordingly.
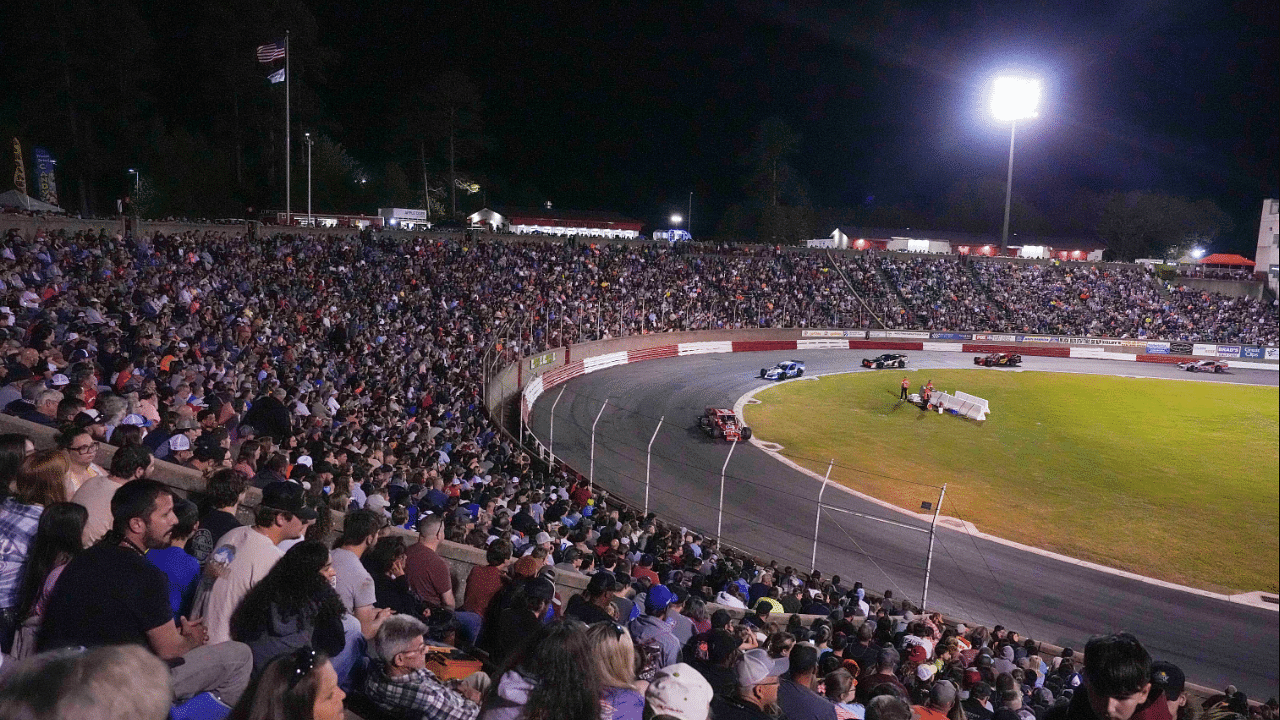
(1213, 366)
(722, 423)
(998, 360)
(784, 370)
(887, 360)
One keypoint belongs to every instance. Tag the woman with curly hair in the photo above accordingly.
(293, 606)
(548, 678)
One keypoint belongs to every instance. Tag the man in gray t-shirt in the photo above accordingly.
(353, 583)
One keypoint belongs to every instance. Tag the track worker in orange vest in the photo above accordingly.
(906, 385)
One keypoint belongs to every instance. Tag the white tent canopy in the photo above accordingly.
(16, 199)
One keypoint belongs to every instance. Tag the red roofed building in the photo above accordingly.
(549, 221)
(1226, 260)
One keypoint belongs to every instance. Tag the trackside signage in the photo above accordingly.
(1180, 348)
(950, 336)
(833, 333)
(1273, 354)
(1158, 348)
(538, 361)
(908, 335)
(1206, 350)
(987, 337)
(1229, 351)
(1253, 353)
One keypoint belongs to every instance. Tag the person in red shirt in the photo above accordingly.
(942, 697)
(485, 582)
(645, 570)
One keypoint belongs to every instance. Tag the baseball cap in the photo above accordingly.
(60, 380)
(19, 373)
(178, 443)
(134, 419)
(186, 424)
(679, 691)
(304, 460)
(658, 598)
(287, 497)
(601, 582)
(925, 672)
(542, 537)
(1169, 678)
(719, 618)
(88, 417)
(539, 588)
(756, 665)
(917, 654)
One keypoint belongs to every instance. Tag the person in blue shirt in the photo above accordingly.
(183, 569)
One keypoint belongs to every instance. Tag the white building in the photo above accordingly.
(1268, 256)
(404, 218)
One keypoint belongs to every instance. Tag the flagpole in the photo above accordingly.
(288, 146)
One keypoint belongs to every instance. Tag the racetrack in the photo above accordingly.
(769, 509)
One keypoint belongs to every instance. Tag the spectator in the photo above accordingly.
(56, 543)
(1117, 679)
(14, 448)
(523, 618)
(841, 687)
(400, 684)
(182, 569)
(246, 554)
(355, 586)
(40, 482)
(679, 692)
(757, 692)
(888, 707)
(942, 699)
(549, 676)
(385, 563)
(224, 491)
(886, 662)
(978, 706)
(293, 607)
(484, 581)
(796, 697)
(595, 601)
(122, 682)
(96, 492)
(109, 594)
(301, 685)
(81, 449)
(612, 657)
(653, 634)
(429, 575)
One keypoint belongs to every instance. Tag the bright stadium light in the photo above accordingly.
(676, 219)
(1197, 253)
(1013, 99)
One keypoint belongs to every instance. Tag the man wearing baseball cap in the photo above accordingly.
(652, 627)
(679, 691)
(757, 696)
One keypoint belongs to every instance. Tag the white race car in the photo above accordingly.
(1213, 366)
(783, 371)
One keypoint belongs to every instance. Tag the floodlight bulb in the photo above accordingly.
(1015, 98)
(677, 218)
(1197, 253)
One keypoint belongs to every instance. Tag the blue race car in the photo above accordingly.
(783, 371)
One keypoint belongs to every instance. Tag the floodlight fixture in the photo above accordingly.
(676, 219)
(1015, 98)
(1197, 252)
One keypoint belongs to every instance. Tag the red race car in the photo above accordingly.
(1213, 366)
(998, 360)
(721, 423)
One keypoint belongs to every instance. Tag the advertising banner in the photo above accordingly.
(877, 334)
(950, 336)
(1229, 351)
(908, 335)
(44, 176)
(1180, 348)
(987, 337)
(1272, 354)
(860, 334)
(1206, 350)
(1158, 348)
(1033, 338)
(540, 360)
(1255, 353)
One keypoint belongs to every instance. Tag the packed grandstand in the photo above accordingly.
(347, 373)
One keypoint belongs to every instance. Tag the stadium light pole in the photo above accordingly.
(928, 561)
(1013, 99)
(310, 142)
(720, 516)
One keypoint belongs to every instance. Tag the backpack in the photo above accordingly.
(648, 659)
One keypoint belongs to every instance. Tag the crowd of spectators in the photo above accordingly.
(345, 373)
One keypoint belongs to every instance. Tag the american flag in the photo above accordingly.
(269, 52)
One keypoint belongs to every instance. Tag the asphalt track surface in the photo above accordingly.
(769, 509)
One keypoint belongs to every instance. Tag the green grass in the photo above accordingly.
(1171, 479)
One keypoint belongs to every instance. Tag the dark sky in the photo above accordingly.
(630, 106)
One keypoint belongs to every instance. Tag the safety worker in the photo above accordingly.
(906, 385)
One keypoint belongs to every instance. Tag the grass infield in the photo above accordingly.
(1171, 479)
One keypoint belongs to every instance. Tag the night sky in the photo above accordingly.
(630, 106)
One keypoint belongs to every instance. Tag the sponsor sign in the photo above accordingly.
(1093, 341)
(834, 333)
(1229, 351)
(538, 361)
(908, 335)
(1206, 350)
(1133, 343)
(1180, 348)
(1272, 354)
(995, 338)
(1033, 338)
(950, 336)
(1252, 352)
(1158, 348)
(877, 334)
